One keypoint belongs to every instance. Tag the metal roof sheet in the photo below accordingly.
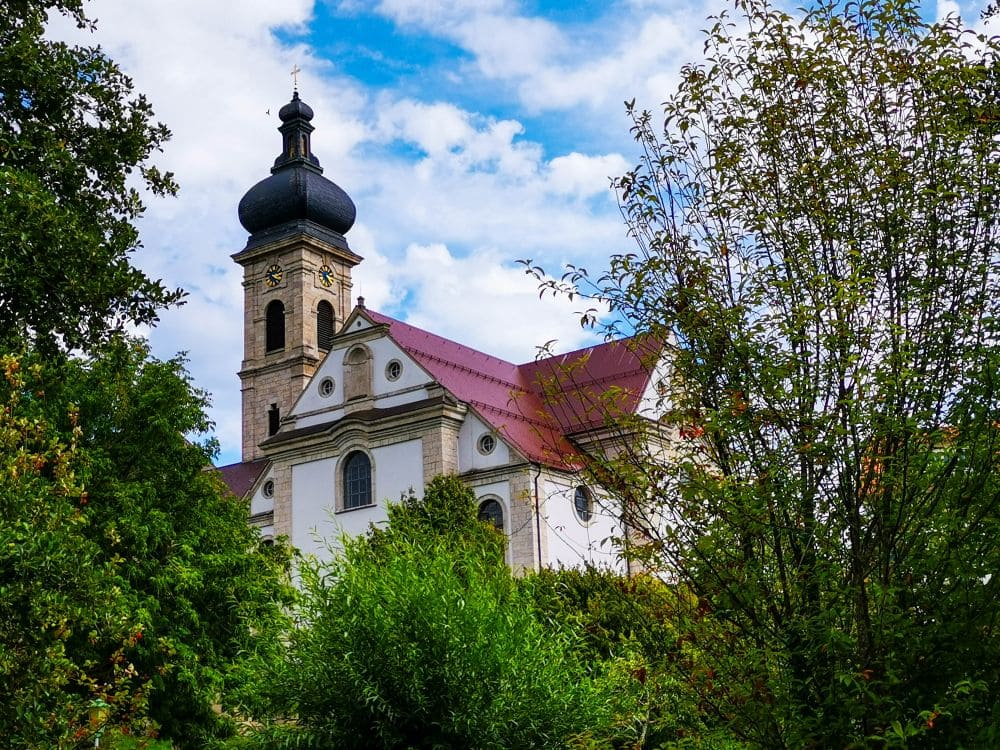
(534, 406)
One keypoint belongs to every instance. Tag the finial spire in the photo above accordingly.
(295, 78)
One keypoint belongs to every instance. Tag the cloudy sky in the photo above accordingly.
(470, 133)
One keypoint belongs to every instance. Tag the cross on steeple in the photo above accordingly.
(295, 77)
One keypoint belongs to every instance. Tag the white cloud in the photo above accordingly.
(624, 55)
(582, 175)
(430, 13)
(483, 301)
(947, 8)
(511, 46)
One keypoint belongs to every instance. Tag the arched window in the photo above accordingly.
(492, 512)
(274, 326)
(357, 481)
(324, 325)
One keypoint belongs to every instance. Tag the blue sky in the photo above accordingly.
(470, 133)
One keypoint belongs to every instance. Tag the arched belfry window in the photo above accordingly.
(324, 325)
(357, 373)
(274, 326)
(491, 511)
(357, 481)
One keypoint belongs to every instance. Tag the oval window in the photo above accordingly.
(583, 504)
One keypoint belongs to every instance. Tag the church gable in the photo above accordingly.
(494, 388)
(364, 369)
(481, 447)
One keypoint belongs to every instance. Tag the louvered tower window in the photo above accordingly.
(324, 325)
(274, 326)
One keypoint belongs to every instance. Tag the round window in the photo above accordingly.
(268, 489)
(326, 386)
(486, 444)
(393, 370)
(583, 504)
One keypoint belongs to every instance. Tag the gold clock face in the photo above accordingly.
(325, 275)
(272, 276)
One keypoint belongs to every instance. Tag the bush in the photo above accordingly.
(416, 638)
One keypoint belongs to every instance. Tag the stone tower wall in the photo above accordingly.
(278, 377)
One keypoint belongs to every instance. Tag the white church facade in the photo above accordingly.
(346, 409)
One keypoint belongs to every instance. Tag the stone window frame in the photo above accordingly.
(341, 485)
(326, 387)
(486, 444)
(393, 366)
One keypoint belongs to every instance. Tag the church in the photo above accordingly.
(346, 409)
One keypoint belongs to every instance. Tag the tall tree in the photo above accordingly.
(159, 547)
(189, 568)
(66, 638)
(817, 239)
(74, 141)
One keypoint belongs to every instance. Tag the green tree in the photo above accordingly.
(817, 245)
(419, 637)
(204, 593)
(66, 639)
(632, 622)
(73, 139)
(169, 551)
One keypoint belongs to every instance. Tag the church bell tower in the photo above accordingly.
(296, 277)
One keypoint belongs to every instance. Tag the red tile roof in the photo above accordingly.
(535, 406)
(241, 477)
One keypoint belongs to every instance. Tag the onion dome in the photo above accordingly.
(296, 197)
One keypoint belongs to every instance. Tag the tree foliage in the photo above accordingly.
(143, 585)
(128, 573)
(636, 624)
(817, 242)
(419, 637)
(74, 142)
(191, 570)
(66, 639)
